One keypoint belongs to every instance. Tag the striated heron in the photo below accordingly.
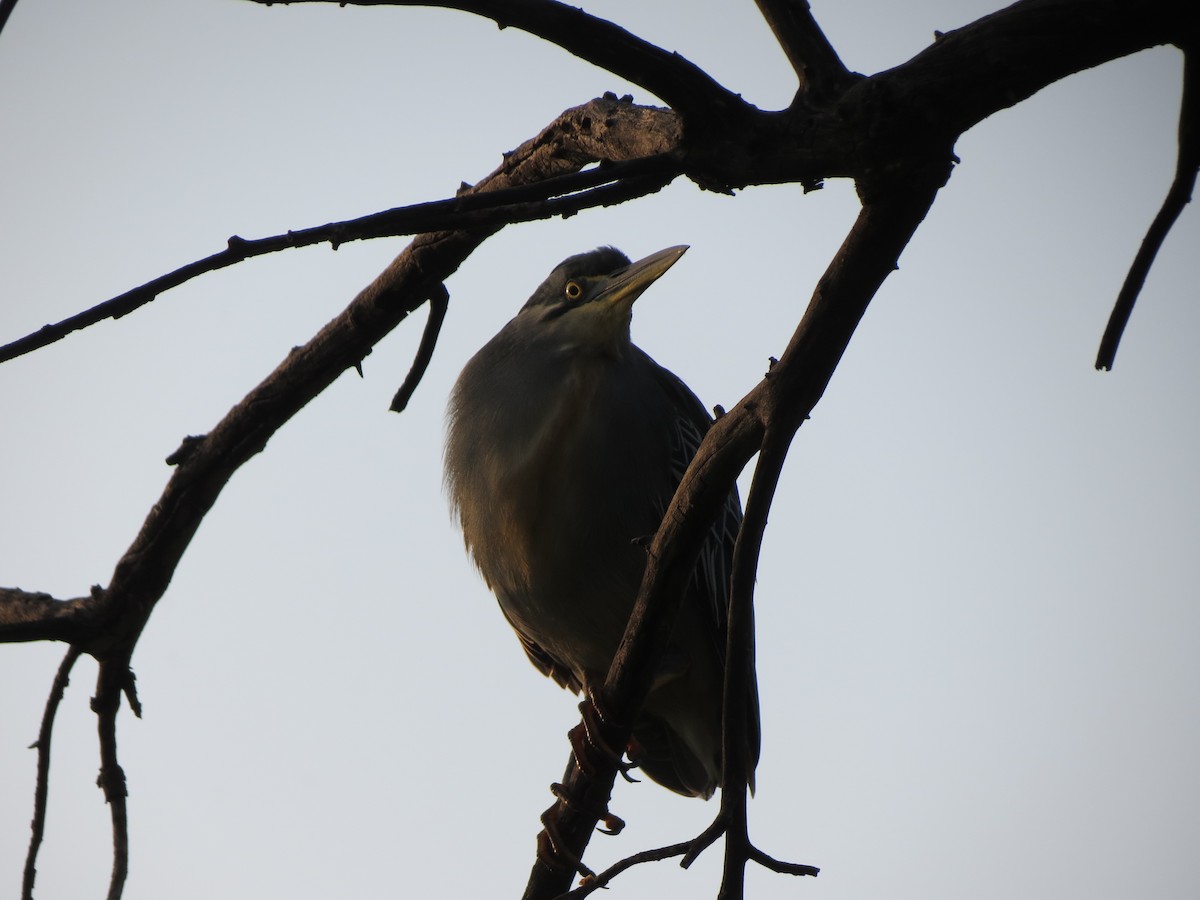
(565, 445)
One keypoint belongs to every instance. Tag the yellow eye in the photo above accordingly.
(573, 291)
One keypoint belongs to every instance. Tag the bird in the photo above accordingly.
(565, 443)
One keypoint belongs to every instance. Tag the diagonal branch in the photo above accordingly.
(1187, 164)
(602, 879)
(683, 85)
(559, 196)
(783, 400)
(108, 624)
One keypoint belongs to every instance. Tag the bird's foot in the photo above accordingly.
(613, 824)
(587, 738)
(552, 850)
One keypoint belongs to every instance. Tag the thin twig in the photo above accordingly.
(112, 683)
(41, 791)
(739, 654)
(1178, 195)
(602, 879)
(702, 842)
(781, 867)
(564, 195)
(439, 302)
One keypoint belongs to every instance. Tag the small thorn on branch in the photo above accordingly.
(781, 867)
(129, 689)
(187, 447)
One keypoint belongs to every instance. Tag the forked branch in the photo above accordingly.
(819, 69)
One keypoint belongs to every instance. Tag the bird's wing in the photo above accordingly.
(690, 425)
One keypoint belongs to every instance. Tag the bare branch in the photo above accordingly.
(965, 76)
(739, 669)
(779, 866)
(783, 400)
(560, 196)
(1178, 196)
(602, 879)
(41, 791)
(112, 683)
(604, 129)
(684, 86)
(893, 133)
(739, 655)
(819, 69)
(32, 616)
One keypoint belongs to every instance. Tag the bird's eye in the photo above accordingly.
(573, 291)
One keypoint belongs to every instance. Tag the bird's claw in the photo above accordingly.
(552, 850)
(613, 824)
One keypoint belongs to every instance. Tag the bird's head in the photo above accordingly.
(586, 302)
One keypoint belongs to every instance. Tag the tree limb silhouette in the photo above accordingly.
(893, 133)
(1178, 196)
(41, 791)
(561, 195)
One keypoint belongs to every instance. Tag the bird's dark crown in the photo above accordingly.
(601, 261)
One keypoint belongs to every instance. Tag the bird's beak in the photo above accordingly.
(628, 284)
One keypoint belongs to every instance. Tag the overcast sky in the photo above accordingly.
(979, 637)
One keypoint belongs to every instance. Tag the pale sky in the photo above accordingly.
(979, 638)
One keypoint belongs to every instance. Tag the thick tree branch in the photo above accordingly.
(32, 616)
(1178, 196)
